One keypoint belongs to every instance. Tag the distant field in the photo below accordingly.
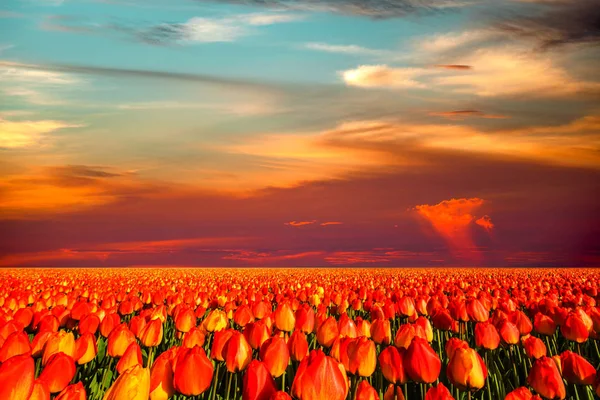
(309, 334)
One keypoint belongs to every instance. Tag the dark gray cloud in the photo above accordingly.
(366, 8)
(556, 23)
(141, 73)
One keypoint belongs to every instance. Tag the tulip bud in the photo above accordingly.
(440, 392)
(466, 369)
(119, 340)
(258, 382)
(58, 372)
(327, 332)
(320, 377)
(298, 346)
(193, 372)
(486, 336)
(161, 377)
(152, 334)
(275, 354)
(390, 361)
(576, 369)
(381, 331)
(16, 377)
(16, 343)
(73, 392)
(133, 384)
(421, 363)
(362, 356)
(534, 347)
(238, 353)
(131, 358)
(85, 348)
(364, 391)
(545, 379)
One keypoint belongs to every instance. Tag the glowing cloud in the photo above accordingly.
(331, 223)
(19, 134)
(369, 76)
(452, 219)
(485, 222)
(300, 223)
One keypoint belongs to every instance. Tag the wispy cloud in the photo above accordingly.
(462, 114)
(211, 30)
(350, 49)
(23, 134)
(383, 76)
(370, 9)
(300, 223)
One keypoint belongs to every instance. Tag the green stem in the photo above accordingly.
(214, 384)
(229, 375)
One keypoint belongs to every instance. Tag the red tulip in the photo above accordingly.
(576, 369)
(16, 377)
(364, 391)
(131, 358)
(58, 372)
(193, 372)
(298, 346)
(362, 356)
(421, 363)
(390, 361)
(73, 392)
(327, 332)
(534, 347)
(275, 354)
(320, 377)
(545, 379)
(439, 392)
(258, 382)
(466, 370)
(238, 353)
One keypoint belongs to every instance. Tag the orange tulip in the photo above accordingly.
(486, 336)
(59, 342)
(575, 329)
(320, 377)
(439, 392)
(545, 379)
(305, 319)
(404, 336)
(275, 354)
(119, 340)
(466, 369)
(238, 353)
(16, 343)
(220, 339)
(131, 358)
(194, 337)
(16, 377)
(477, 311)
(280, 396)
(215, 321)
(85, 348)
(509, 332)
(152, 334)
(39, 342)
(393, 393)
(58, 372)
(521, 393)
(381, 331)
(534, 347)
(544, 325)
(185, 321)
(243, 316)
(133, 384)
(327, 332)
(421, 363)
(256, 334)
(298, 346)
(258, 382)
(110, 322)
(73, 392)
(390, 361)
(40, 391)
(161, 377)
(193, 372)
(364, 391)
(362, 356)
(89, 324)
(576, 369)
(454, 344)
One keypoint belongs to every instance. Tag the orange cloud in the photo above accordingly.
(299, 223)
(103, 251)
(331, 223)
(452, 220)
(485, 222)
(461, 114)
(454, 66)
(268, 257)
(380, 256)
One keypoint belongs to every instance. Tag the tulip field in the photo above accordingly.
(307, 334)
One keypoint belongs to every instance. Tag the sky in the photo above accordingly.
(299, 133)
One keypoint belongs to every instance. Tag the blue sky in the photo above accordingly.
(436, 116)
